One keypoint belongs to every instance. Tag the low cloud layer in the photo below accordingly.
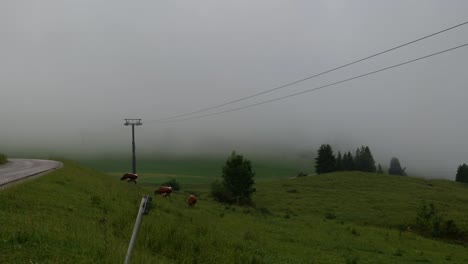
(71, 71)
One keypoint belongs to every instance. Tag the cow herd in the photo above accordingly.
(164, 191)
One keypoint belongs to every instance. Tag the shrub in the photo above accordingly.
(173, 183)
(301, 174)
(221, 193)
(3, 159)
(330, 215)
(430, 222)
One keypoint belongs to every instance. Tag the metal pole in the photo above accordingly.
(136, 228)
(133, 122)
(133, 150)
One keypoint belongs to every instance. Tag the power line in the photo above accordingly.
(313, 76)
(317, 88)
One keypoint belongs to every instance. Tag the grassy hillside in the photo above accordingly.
(77, 215)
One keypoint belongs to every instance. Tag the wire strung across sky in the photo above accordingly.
(303, 79)
(317, 88)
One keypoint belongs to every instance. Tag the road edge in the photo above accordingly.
(30, 177)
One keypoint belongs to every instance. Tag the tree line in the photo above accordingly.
(362, 160)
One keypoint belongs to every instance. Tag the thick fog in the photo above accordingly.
(71, 71)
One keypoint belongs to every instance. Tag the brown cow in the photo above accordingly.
(192, 200)
(164, 191)
(130, 177)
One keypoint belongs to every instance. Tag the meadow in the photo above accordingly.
(195, 170)
(80, 215)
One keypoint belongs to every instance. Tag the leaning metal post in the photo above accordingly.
(144, 209)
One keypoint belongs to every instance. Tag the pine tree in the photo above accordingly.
(339, 162)
(325, 161)
(395, 168)
(379, 169)
(364, 161)
(462, 173)
(368, 161)
(357, 160)
(348, 162)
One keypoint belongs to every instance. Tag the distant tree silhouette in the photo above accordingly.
(379, 169)
(348, 162)
(363, 160)
(339, 162)
(395, 168)
(325, 161)
(462, 173)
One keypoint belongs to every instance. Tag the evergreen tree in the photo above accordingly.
(348, 162)
(325, 161)
(395, 168)
(339, 162)
(238, 178)
(462, 173)
(358, 159)
(368, 160)
(379, 169)
(364, 161)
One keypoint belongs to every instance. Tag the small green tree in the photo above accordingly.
(238, 178)
(395, 168)
(325, 161)
(462, 173)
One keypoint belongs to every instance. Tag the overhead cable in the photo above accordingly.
(309, 77)
(317, 88)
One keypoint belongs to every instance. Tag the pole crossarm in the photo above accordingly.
(133, 122)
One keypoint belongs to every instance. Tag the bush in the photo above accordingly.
(430, 222)
(221, 193)
(3, 159)
(173, 183)
(330, 215)
(301, 174)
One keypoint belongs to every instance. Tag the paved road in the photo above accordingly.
(18, 169)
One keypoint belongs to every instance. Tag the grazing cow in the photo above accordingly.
(164, 191)
(192, 200)
(130, 177)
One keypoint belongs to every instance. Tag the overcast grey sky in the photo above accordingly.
(70, 71)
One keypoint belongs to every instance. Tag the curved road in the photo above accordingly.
(19, 169)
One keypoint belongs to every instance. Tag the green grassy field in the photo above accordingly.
(78, 215)
(192, 170)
